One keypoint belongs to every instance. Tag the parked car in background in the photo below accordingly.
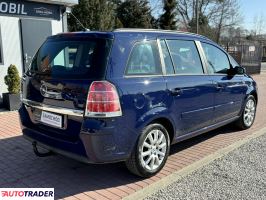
(127, 95)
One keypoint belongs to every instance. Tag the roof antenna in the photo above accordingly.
(69, 11)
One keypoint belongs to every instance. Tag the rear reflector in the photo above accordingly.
(103, 100)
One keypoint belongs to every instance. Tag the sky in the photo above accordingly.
(251, 8)
(248, 8)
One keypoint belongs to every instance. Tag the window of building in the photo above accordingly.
(1, 48)
(185, 57)
(217, 60)
(144, 59)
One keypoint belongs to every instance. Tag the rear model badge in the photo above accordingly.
(48, 92)
(43, 90)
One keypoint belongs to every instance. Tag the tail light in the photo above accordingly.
(103, 100)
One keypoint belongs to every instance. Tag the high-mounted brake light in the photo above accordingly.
(103, 100)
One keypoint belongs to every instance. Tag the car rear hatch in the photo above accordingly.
(55, 88)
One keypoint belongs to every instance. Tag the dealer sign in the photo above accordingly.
(29, 9)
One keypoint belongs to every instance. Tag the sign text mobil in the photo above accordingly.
(12, 8)
(23, 8)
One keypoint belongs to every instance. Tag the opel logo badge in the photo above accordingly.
(43, 90)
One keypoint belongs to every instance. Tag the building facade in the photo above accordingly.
(24, 25)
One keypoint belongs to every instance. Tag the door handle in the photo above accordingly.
(176, 91)
(219, 86)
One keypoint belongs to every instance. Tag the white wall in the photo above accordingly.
(57, 27)
(11, 47)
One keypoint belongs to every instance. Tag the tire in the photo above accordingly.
(249, 109)
(136, 163)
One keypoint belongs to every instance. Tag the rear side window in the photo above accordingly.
(185, 57)
(217, 60)
(72, 59)
(144, 59)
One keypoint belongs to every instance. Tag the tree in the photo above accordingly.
(215, 16)
(227, 16)
(187, 10)
(168, 18)
(94, 15)
(155, 24)
(233, 36)
(135, 14)
(204, 26)
(117, 22)
(258, 24)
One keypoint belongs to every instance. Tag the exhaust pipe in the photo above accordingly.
(38, 153)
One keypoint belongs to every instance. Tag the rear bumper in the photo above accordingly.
(94, 144)
(58, 151)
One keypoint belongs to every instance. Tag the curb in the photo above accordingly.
(166, 181)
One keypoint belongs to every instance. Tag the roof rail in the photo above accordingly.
(156, 30)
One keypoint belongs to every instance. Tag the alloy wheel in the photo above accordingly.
(249, 112)
(153, 150)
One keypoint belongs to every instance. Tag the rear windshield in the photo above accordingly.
(72, 59)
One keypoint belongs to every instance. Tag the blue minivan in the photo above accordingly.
(127, 95)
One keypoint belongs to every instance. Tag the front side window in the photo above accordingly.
(144, 59)
(217, 60)
(185, 57)
(233, 62)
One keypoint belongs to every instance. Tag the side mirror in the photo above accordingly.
(238, 70)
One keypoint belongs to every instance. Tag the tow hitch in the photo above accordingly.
(40, 154)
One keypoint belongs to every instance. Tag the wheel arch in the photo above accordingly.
(160, 115)
(255, 94)
(167, 124)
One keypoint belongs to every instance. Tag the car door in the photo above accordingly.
(190, 89)
(142, 84)
(230, 89)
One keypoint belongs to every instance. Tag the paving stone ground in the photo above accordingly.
(19, 167)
